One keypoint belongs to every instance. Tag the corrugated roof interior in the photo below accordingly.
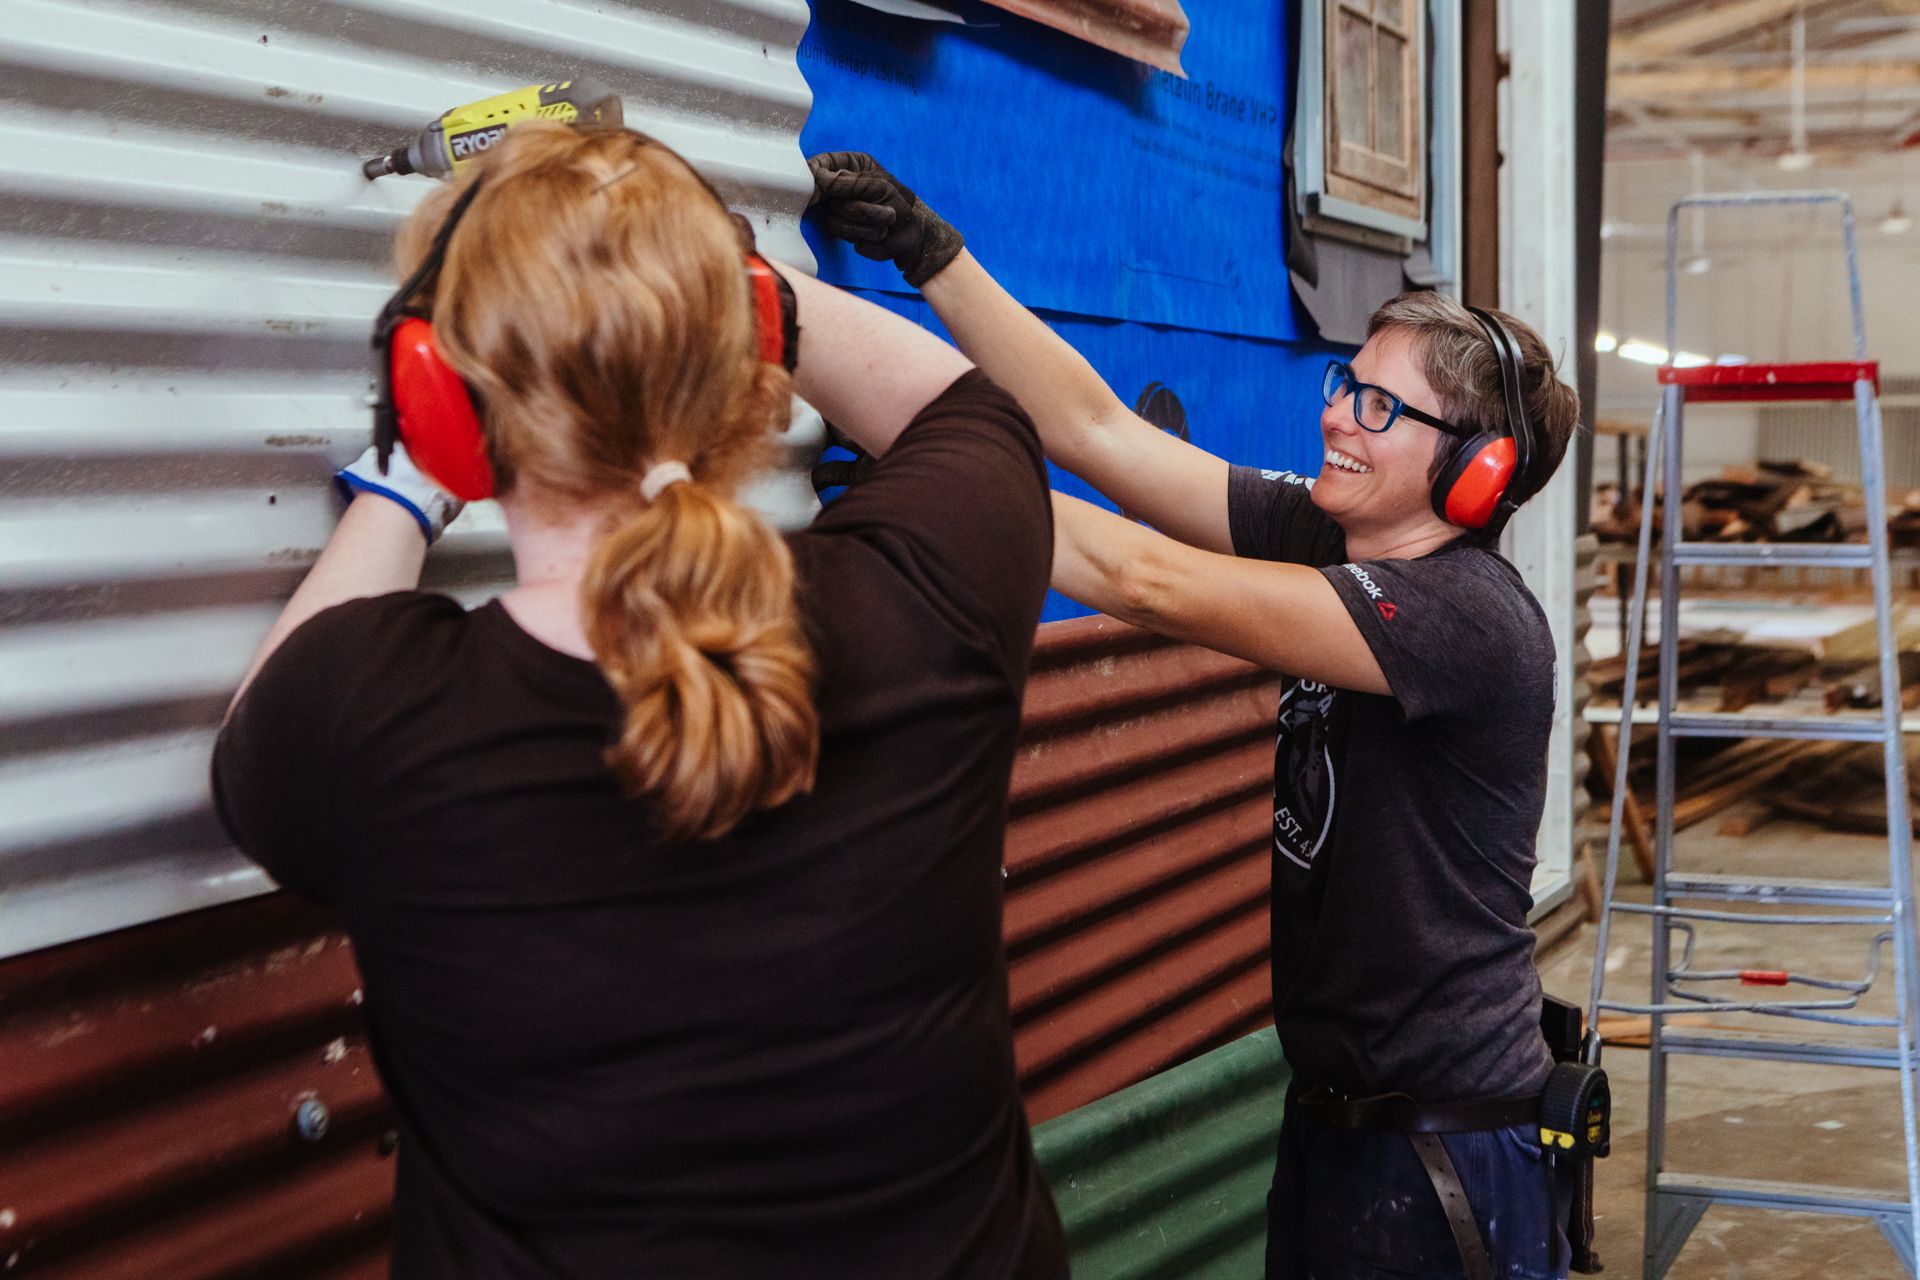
(189, 262)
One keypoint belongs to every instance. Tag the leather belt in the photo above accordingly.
(1401, 1114)
(1423, 1122)
(1453, 1198)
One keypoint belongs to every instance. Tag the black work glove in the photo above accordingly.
(831, 472)
(862, 203)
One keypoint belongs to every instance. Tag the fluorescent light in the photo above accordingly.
(1727, 360)
(1689, 360)
(1698, 265)
(1795, 161)
(1897, 222)
(1642, 352)
(1604, 342)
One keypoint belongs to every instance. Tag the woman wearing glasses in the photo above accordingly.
(1410, 769)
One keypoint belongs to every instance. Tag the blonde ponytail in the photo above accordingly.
(690, 611)
(597, 303)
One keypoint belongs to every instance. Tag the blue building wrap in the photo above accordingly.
(1141, 215)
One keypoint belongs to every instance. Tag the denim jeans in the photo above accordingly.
(1358, 1205)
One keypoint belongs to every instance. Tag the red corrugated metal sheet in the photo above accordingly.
(150, 1080)
(149, 1086)
(1137, 860)
(1152, 31)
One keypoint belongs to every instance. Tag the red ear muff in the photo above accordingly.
(434, 409)
(420, 401)
(1468, 490)
(437, 421)
(766, 308)
(775, 314)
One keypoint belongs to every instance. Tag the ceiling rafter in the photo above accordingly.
(1715, 76)
(1705, 79)
(1696, 27)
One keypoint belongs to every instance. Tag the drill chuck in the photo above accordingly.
(394, 161)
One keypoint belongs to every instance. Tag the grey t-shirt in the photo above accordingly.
(1404, 825)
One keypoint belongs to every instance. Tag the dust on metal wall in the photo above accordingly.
(151, 1081)
(189, 262)
(151, 1086)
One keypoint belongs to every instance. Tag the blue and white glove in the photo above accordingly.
(403, 483)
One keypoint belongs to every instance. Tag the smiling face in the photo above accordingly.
(1376, 485)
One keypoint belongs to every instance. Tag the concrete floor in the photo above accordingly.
(1751, 1119)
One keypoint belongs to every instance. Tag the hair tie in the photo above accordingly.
(663, 476)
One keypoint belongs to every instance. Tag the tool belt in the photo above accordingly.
(1401, 1114)
(1571, 1115)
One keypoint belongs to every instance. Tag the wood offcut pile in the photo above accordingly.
(1771, 502)
(1838, 784)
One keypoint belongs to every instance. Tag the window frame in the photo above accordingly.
(1367, 173)
(1352, 191)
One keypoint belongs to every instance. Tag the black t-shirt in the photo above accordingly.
(784, 1053)
(1404, 826)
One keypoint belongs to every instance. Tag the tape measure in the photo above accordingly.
(1576, 1111)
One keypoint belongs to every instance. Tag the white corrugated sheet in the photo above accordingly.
(189, 262)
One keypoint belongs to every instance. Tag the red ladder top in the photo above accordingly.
(1820, 380)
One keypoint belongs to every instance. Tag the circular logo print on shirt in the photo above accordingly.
(1303, 781)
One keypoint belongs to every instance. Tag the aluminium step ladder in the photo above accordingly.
(1676, 1201)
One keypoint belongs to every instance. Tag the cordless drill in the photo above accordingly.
(462, 135)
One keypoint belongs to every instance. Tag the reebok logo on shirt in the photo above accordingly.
(1386, 607)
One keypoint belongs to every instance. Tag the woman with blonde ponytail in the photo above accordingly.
(690, 611)
(673, 874)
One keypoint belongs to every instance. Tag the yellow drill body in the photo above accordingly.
(464, 134)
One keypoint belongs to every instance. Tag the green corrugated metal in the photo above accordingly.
(1169, 1178)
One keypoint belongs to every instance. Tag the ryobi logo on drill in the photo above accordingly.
(465, 146)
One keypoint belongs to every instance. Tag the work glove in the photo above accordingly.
(433, 507)
(862, 203)
(829, 473)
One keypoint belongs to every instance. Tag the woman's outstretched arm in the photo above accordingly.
(1175, 486)
(867, 370)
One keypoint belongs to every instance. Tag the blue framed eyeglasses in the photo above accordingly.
(1376, 409)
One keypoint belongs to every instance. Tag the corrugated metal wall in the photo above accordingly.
(1152, 31)
(150, 1084)
(1137, 859)
(1169, 1178)
(189, 261)
(150, 1080)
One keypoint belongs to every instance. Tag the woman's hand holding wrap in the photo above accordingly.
(880, 216)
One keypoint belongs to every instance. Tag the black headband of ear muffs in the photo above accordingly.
(386, 416)
(1506, 350)
(400, 306)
